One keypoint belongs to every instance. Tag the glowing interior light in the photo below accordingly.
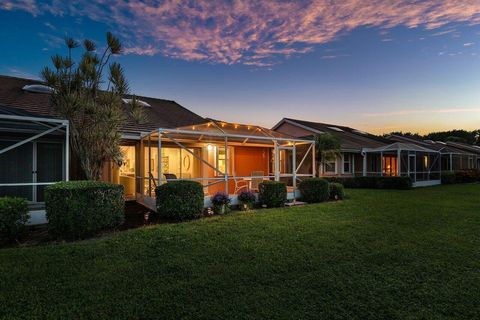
(209, 147)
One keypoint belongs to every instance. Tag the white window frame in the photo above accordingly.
(335, 171)
(346, 158)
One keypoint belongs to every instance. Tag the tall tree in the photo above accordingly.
(327, 147)
(89, 94)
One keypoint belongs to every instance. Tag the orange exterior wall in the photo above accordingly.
(246, 160)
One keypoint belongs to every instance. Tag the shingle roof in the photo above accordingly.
(435, 145)
(162, 113)
(351, 139)
(466, 147)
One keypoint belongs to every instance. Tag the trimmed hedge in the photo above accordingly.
(272, 194)
(399, 183)
(13, 217)
(180, 200)
(337, 191)
(80, 209)
(461, 176)
(314, 190)
(448, 177)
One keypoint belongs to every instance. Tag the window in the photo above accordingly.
(330, 167)
(470, 163)
(390, 166)
(346, 163)
(220, 159)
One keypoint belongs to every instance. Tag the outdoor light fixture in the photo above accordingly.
(209, 147)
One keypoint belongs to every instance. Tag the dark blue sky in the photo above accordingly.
(407, 70)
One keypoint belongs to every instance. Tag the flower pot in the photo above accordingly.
(220, 209)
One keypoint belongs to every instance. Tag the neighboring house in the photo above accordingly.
(365, 154)
(455, 156)
(222, 156)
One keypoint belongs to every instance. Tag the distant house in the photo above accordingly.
(455, 156)
(365, 154)
(173, 143)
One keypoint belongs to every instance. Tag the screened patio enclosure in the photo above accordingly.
(33, 154)
(222, 157)
(423, 165)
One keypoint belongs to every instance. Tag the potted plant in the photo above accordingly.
(247, 200)
(220, 203)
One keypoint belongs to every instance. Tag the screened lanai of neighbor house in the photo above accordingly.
(422, 164)
(224, 157)
(33, 154)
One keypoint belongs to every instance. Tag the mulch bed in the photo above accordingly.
(135, 215)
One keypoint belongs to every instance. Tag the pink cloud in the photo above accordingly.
(246, 31)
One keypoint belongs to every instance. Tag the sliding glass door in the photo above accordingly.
(30, 163)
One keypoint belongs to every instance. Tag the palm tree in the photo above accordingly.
(327, 148)
(91, 101)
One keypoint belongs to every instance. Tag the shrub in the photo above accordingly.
(13, 216)
(272, 193)
(80, 209)
(448, 178)
(337, 192)
(247, 199)
(314, 190)
(400, 183)
(180, 200)
(220, 201)
(467, 176)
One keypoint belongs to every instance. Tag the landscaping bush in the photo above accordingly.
(467, 176)
(180, 200)
(399, 183)
(272, 193)
(314, 190)
(13, 216)
(448, 178)
(80, 209)
(337, 191)
(247, 199)
(220, 201)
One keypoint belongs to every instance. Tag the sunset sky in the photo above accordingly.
(375, 65)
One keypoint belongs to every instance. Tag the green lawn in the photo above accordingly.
(379, 254)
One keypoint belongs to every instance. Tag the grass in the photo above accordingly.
(380, 254)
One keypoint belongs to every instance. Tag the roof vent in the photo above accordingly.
(140, 102)
(336, 129)
(38, 88)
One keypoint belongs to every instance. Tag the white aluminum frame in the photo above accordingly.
(224, 177)
(60, 125)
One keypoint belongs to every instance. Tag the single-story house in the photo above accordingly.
(365, 154)
(455, 156)
(173, 143)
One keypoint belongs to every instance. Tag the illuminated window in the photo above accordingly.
(220, 159)
(425, 162)
(390, 166)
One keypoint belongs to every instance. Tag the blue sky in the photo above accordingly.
(379, 67)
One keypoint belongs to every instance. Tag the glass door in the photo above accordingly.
(16, 166)
(49, 166)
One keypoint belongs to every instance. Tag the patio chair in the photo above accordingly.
(170, 176)
(257, 178)
(239, 183)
